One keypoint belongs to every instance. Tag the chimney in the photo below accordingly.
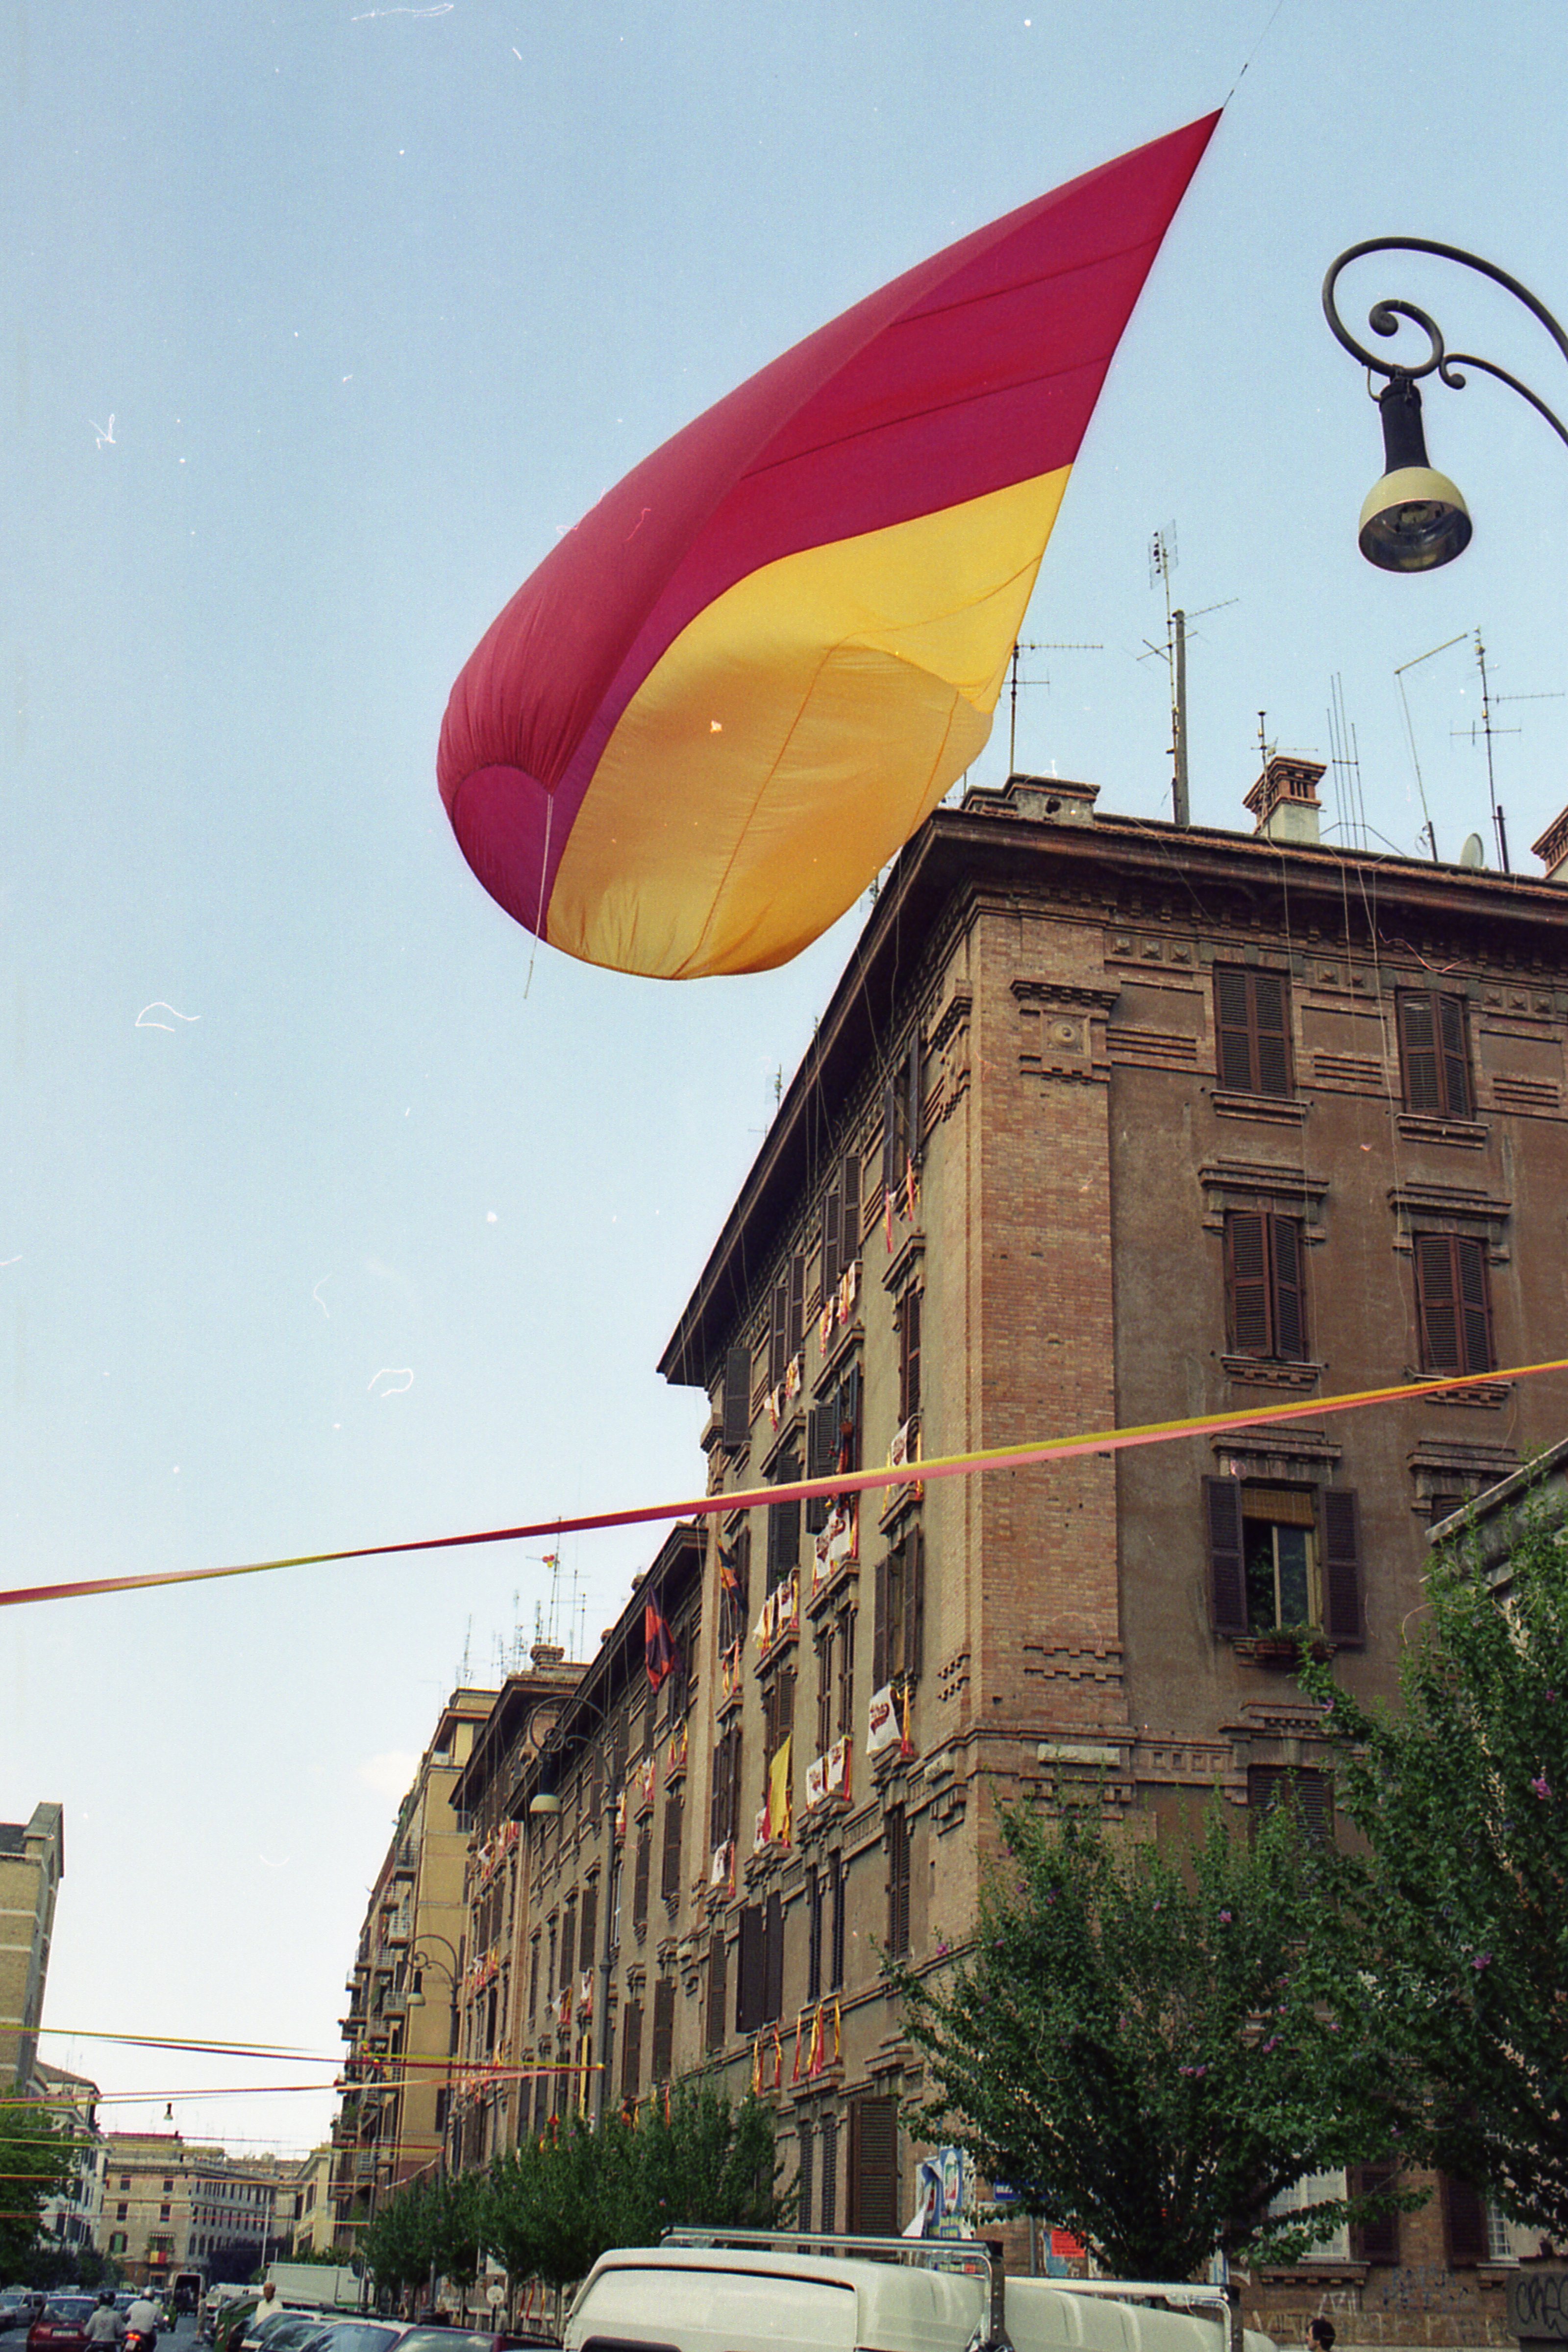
(1552, 849)
(1284, 800)
(546, 1654)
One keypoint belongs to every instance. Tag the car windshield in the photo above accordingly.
(447, 2339)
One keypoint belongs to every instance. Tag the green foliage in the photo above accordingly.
(1462, 1797)
(37, 2157)
(1153, 2054)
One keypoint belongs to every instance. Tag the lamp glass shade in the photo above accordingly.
(544, 1805)
(1413, 520)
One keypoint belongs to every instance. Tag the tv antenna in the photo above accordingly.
(1045, 646)
(1414, 662)
(1483, 729)
(1344, 758)
(1174, 653)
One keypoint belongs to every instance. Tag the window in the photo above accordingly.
(717, 1959)
(896, 1845)
(735, 1587)
(807, 2160)
(663, 2029)
(814, 1934)
(736, 1409)
(639, 1884)
(759, 1983)
(786, 1320)
(569, 1945)
(1466, 2234)
(1434, 1055)
(833, 1441)
(163, 2212)
(1252, 1030)
(121, 2212)
(898, 1633)
(117, 2243)
(902, 1111)
(840, 1222)
(783, 1523)
(1317, 2188)
(724, 1826)
(874, 2168)
(829, 2168)
(1375, 2240)
(834, 1678)
(1311, 1793)
(1283, 1557)
(908, 1322)
(590, 1924)
(1265, 1296)
(778, 1714)
(1453, 1303)
(669, 1867)
(835, 1939)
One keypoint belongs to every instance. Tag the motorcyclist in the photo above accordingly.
(141, 2320)
(105, 2326)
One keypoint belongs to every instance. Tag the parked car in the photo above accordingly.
(231, 2323)
(462, 2339)
(61, 2326)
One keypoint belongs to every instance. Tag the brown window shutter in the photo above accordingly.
(778, 1330)
(1246, 1282)
(814, 1934)
(804, 2182)
(844, 1711)
(1453, 1056)
(835, 1939)
(1289, 1289)
(1418, 1050)
(663, 2029)
(1228, 1581)
(1271, 1032)
(914, 1600)
(821, 1458)
(737, 1429)
(631, 2049)
(590, 1923)
(639, 1884)
(832, 1237)
(828, 2218)
(873, 2167)
(569, 1945)
(879, 1669)
(772, 1960)
(914, 1069)
(850, 1227)
(1375, 2240)
(1234, 1058)
(910, 1355)
(896, 1835)
(1464, 2223)
(1437, 1303)
(670, 1868)
(749, 1972)
(718, 1953)
(892, 1141)
(794, 1330)
(1475, 1306)
(849, 1420)
(1343, 1612)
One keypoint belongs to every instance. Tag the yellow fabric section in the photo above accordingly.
(794, 737)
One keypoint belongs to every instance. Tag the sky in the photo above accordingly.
(332, 1213)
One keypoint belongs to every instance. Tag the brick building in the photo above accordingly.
(32, 1864)
(1107, 1123)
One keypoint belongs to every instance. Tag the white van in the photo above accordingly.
(767, 2292)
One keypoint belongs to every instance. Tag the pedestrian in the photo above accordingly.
(267, 2309)
(1320, 2335)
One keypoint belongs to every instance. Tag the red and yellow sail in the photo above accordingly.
(737, 687)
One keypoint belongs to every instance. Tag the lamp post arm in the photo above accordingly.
(1454, 360)
(1385, 324)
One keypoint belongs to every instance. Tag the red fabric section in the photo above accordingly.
(977, 369)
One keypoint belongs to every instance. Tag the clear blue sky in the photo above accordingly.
(323, 321)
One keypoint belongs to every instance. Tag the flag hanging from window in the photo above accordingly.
(658, 1646)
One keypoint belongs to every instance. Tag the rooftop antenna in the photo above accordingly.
(1039, 645)
(1410, 731)
(466, 1672)
(1344, 754)
(554, 1609)
(1174, 653)
(1487, 730)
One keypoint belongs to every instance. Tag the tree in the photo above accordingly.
(1462, 1797)
(1153, 2053)
(37, 2157)
(398, 2245)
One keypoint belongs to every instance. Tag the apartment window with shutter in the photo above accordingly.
(532, 1978)
(874, 2168)
(783, 1523)
(569, 1944)
(1454, 1304)
(786, 1318)
(908, 1319)
(898, 1634)
(1466, 2231)
(1252, 1030)
(724, 1816)
(639, 1882)
(840, 1222)
(814, 1932)
(805, 2182)
(590, 1922)
(772, 1959)
(1375, 2240)
(896, 1847)
(1310, 1793)
(1266, 1307)
(902, 1112)
(835, 1921)
(778, 1714)
(663, 2029)
(833, 1441)
(749, 1971)
(670, 1868)
(550, 1980)
(1282, 1557)
(718, 1955)
(828, 2167)
(735, 1412)
(631, 2049)
(1433, 1054)
(734, 1588)
(826, 1634)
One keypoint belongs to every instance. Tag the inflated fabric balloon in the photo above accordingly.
(726, 698)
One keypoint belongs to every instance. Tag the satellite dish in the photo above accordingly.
(1474, 851)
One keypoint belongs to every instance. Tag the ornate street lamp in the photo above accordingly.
(1413, 518)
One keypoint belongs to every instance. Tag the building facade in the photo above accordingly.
(73, 2219)
(168, 2202)
(32, 1864)
(400, 2025)
(1107, 1124)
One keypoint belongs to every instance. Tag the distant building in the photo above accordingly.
(402, 1988)
(167, 2203)
(73, 2219)
(309, 2197)
(32, 1864)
